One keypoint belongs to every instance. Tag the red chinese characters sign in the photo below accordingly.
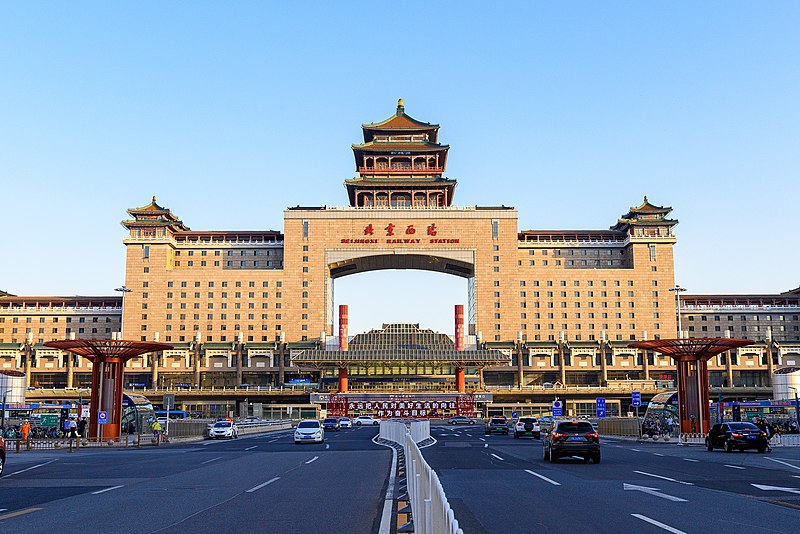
(393, 234)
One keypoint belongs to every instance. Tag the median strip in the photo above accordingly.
(18, 513)
(267, 483)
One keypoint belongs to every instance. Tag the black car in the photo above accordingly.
(331, 423)
(571, 438)
(496, 425)
(730, 436)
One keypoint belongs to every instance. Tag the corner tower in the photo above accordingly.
(400, 165)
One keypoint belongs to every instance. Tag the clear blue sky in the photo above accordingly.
(232, 111)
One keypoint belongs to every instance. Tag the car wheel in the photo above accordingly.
(516, 436)
(761, 450)
(709, 446)
(358, 423)
(596, 458)
(553, 458)
(375, 423)
(545, 454)
(728, 446)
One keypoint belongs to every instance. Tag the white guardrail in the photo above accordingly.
(430, 510)
(778, 440)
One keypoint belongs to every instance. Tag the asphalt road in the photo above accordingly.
(497, 484)
(260, 483)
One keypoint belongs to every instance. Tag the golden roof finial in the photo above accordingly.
(645, 199)
(154, 199)
(400, 103)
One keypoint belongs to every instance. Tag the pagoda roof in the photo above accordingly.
(400, 122)
(403, 182)
(647, 207)
(153, 215)
(422, 146)
(645, 214)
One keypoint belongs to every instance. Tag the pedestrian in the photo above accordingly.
(82, 428)
(130, 428)
(65, 427)
(25, 430)
(73, 429)
(156, 430)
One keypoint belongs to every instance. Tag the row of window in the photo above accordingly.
(745, 317)
(55, 331)
(55, 319)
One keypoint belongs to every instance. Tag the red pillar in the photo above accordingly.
(342, 379)
(460, 386)
(343, 317)
(459, 327)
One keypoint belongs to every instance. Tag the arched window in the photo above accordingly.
(381, 199)
(382, 163)
(419, 200)
(401, 200)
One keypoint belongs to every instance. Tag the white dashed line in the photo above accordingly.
(482, 439)
(780, 462)
(550, 480)
(273, 440)
(267, 483)
(314, 459)
(499, 458)
(211, 460)
(251, 448)
(485, 445)
(690, 460)
(658, 454)
(636, 450)
(664, 478)
(29, 468)
(327, 446)
(658, 524)
(105, 490)
(734, 466)
(3, 509)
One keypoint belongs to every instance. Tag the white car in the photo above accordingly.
(528, 426)
(345, 422)
(309, 431)
(365, 420)
(223, 429)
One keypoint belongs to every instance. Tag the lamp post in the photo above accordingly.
(122, 289)
(678, 290)
(796, 406)
(3, 413)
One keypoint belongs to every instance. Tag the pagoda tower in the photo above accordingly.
(400, 165)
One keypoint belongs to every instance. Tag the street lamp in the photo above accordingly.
(3, 413)
(678, 290)
(796, 405)
(123, 290)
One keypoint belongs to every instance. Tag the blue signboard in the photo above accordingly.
(299, 381)
(513, 415)
(636, 398)
(601, 407)
(558, 409)
(102, 418)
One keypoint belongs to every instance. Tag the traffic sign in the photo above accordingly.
(513, 415)
(49, 420)
(636, 398)
(102, 418)
(169, 401)
(558, 409)
(600, 404)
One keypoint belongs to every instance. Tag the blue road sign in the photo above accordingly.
(102, 418)
(636, 398)
(601, 407)
(558, 409)
(514, 415)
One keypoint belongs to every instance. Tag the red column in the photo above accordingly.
(342, 379)
(343, 316)
(459, 327)
(94, 402)
(460, 386)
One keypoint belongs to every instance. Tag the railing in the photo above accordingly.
(430, 510)
(785, 440)
(401, 170)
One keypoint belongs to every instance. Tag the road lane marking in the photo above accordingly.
(690, 460)
(314, 459)
(734, 466)
(550, 480)
(482, 439)
(780, 462)
(267, 483)
(3, 509)
(327, 446)
(485, 445)
(251, 448)
(636, 450)
(655, 492)
(499, 458)
(211, 460)
(207, 443)
(658, 524)
(98, 492)
(776, 488)
(29, 468)
(658, 454)
(18, 513)
(664, 478)
(273, 440)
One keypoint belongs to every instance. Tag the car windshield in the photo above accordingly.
(222, 424)
(308, 424)
(343, 419)
(575, 427)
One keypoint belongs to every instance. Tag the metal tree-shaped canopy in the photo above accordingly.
(107, 348)
(692, 348)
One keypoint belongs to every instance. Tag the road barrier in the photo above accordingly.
(430, 510)
(619, 426)
(785, 440)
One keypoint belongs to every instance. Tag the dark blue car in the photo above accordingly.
(331, 423)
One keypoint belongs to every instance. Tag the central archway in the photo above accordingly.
(341, 263)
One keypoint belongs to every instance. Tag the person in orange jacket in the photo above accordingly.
(25, 430)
